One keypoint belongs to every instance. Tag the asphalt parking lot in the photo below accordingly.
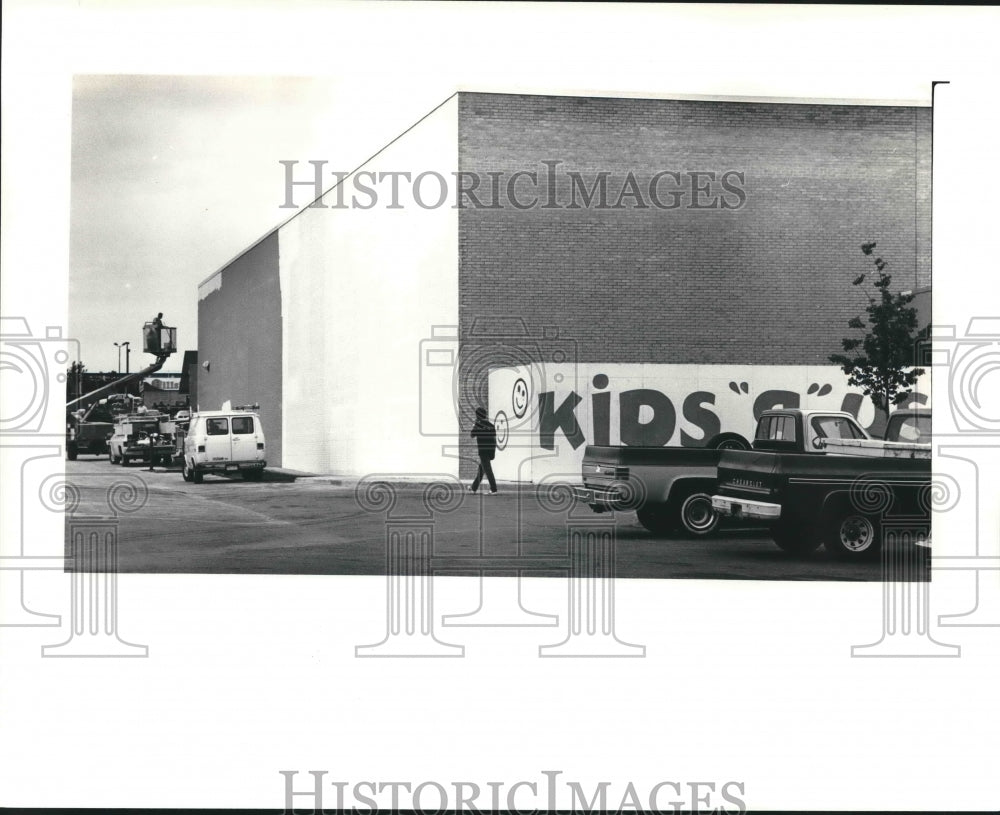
(291, 524)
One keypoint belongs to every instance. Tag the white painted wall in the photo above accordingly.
(735, 388)
(361, 290)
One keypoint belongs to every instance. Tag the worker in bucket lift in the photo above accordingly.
(485, 434)
(154, 341)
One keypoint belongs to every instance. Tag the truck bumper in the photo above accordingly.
(728, 507)
(599, 500)
(230, 466)
(142, 451)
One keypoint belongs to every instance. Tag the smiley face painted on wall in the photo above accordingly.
(519, 398)
(503, 431)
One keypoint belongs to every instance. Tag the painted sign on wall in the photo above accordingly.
(546, 414)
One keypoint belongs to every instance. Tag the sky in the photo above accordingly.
(173, 176)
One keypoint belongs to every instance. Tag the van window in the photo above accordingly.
(217, 427)
(242, 425)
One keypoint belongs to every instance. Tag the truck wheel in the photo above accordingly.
(797, 540)
(71, 452)
(655, 518)
(695, 515)
(728, 441)
(124, 460)
(852, 534)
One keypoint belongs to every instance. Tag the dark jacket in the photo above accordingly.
(485, 434)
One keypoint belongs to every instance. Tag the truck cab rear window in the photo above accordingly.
(833, 427)
(777, 428)
(217, 427)
(911, 429)
(242, 425)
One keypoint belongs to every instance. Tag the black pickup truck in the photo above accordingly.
(671, 488)
(839, 499)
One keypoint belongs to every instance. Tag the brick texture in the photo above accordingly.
(766, 281)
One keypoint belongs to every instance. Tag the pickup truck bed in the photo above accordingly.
(670, 488)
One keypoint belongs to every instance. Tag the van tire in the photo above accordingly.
(192, 473)
(186, 472)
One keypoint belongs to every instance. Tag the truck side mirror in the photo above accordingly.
(819, 443)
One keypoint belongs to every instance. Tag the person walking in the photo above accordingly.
(485, 434)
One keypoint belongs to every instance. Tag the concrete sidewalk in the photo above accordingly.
(397, 481)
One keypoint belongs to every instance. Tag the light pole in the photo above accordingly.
(127, 352)
(118, 345)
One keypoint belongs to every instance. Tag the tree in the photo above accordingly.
(74, 380)
(880, 362)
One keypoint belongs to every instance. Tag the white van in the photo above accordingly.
(225, 441)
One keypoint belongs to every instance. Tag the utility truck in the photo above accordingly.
(146, 436)
(86, 436)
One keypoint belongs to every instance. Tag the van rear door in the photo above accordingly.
(244, 438)
(218, 444)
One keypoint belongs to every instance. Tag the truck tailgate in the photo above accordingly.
(602, 466)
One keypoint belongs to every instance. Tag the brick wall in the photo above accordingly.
(760, 279)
